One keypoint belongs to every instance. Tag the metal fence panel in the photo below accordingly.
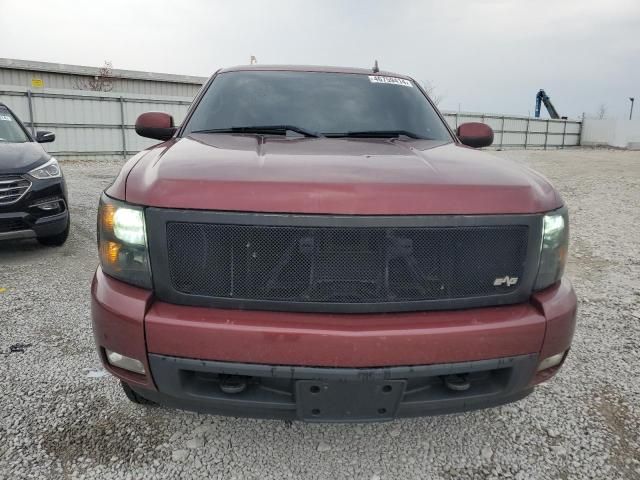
(78, 141)
(101, 125)
(522, 132)
(90, 124)
(17, 103)
(75, 111)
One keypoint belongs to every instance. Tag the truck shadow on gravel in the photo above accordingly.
(624, 427)
(106, 437)
(14, 251)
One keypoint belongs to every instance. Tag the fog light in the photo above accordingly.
(551, 361)
(126, 363)
(49, 206)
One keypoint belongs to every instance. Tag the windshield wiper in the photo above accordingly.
(376, 134)
(266, 129)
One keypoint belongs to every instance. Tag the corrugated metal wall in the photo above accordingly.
(65, 81)
(101, 125)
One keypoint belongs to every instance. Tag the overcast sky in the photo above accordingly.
(481, 55)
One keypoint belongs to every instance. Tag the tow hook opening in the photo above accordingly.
(457, 383)
(233, 384)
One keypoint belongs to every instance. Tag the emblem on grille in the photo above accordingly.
(506, 280)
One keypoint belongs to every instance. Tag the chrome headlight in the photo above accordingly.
(555, 248)
(51, 169)
(122, 242)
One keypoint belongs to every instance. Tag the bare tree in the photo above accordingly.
(102, 82)
(602, 111)
(432, 92)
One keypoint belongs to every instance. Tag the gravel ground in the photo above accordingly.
(63, 418)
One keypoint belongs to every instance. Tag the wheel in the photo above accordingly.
(56, 240)
(134, 396)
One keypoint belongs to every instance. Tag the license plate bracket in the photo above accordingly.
(348, 401)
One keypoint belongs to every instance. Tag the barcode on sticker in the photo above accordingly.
(390, 80)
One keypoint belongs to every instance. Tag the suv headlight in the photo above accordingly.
(555, 248)
(122, 242)
(51, 169)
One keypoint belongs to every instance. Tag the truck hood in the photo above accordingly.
(18, 158)
(332, 176)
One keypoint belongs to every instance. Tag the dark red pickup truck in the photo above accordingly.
(315, 243)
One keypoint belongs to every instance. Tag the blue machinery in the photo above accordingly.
(541, 98)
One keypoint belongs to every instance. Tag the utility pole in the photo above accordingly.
(631, 109)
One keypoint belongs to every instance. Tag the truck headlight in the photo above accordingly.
(122, 242)
(555, 248)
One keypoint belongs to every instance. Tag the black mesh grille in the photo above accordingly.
(343, 265)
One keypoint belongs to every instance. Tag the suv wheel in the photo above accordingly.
(57, 239)
(134, 396)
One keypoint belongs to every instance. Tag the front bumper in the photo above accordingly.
(187, 351)
(26, 219)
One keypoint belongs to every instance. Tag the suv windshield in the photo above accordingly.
(331, 104)
(10, 130)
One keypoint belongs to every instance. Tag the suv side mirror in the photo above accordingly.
(475, 134)
(45, 137)
(158, 125)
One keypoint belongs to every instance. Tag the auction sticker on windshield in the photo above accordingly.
(390, 80)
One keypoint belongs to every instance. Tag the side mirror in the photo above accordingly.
(475, 135)
(158, 125)
(45, 137)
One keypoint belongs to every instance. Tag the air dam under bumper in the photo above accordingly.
(336, 394)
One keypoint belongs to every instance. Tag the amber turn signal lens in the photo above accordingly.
(109, 252)
(107, 214)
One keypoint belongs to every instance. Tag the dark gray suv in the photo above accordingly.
(33, 193)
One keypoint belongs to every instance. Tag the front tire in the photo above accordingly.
(134, 396)
(58, 239)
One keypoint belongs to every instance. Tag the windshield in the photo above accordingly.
(10, 130)
(332, 104)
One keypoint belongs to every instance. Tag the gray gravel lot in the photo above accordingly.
(62, 418)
